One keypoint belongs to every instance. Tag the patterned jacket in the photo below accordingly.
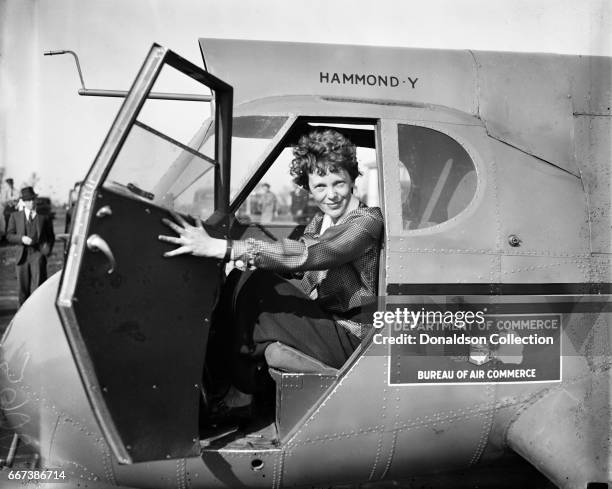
(340, 265)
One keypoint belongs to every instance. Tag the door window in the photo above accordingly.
(157, 168)
(168, 155)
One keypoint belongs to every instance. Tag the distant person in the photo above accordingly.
(268, 202)
(299, 203)
(34, 232)
(255, 204)
(8, 201)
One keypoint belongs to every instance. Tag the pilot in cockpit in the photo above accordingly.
(321, 316)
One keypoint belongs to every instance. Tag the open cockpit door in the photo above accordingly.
(138, 323)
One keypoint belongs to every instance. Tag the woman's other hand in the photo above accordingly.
(192, 240)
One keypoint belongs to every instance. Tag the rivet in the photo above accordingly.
(514, 240)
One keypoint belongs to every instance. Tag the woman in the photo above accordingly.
(338, 254)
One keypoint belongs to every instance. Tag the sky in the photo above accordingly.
(47, 128)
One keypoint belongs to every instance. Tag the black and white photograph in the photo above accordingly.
(325, 244)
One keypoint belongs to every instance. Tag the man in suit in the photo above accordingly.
(35, 235)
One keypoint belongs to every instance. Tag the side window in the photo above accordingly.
(276, 200)
(437, 177)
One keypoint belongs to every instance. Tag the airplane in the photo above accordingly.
(492, 171)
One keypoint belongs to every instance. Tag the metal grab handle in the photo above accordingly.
(97, 243)
(104, 211)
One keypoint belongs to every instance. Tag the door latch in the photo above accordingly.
(96, 244)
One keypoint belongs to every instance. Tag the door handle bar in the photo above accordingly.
(96, 243)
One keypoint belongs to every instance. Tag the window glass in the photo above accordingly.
(178, 119)
(277, 200)
(168, 155)
(171, 174)
(437, 177)
(251, 136)
(154, 167)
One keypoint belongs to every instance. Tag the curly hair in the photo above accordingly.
(323, 151)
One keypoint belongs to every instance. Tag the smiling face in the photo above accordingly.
(332, 192)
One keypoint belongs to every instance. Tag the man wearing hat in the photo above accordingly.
(35, 235)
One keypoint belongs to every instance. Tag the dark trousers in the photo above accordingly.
(257, 308)
(31, 273)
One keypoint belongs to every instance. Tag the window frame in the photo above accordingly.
(390, 129)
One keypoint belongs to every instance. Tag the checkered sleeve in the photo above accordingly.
(337, 245)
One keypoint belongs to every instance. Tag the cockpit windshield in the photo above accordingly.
(251, 135)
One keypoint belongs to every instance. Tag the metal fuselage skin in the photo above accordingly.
(361, 428)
